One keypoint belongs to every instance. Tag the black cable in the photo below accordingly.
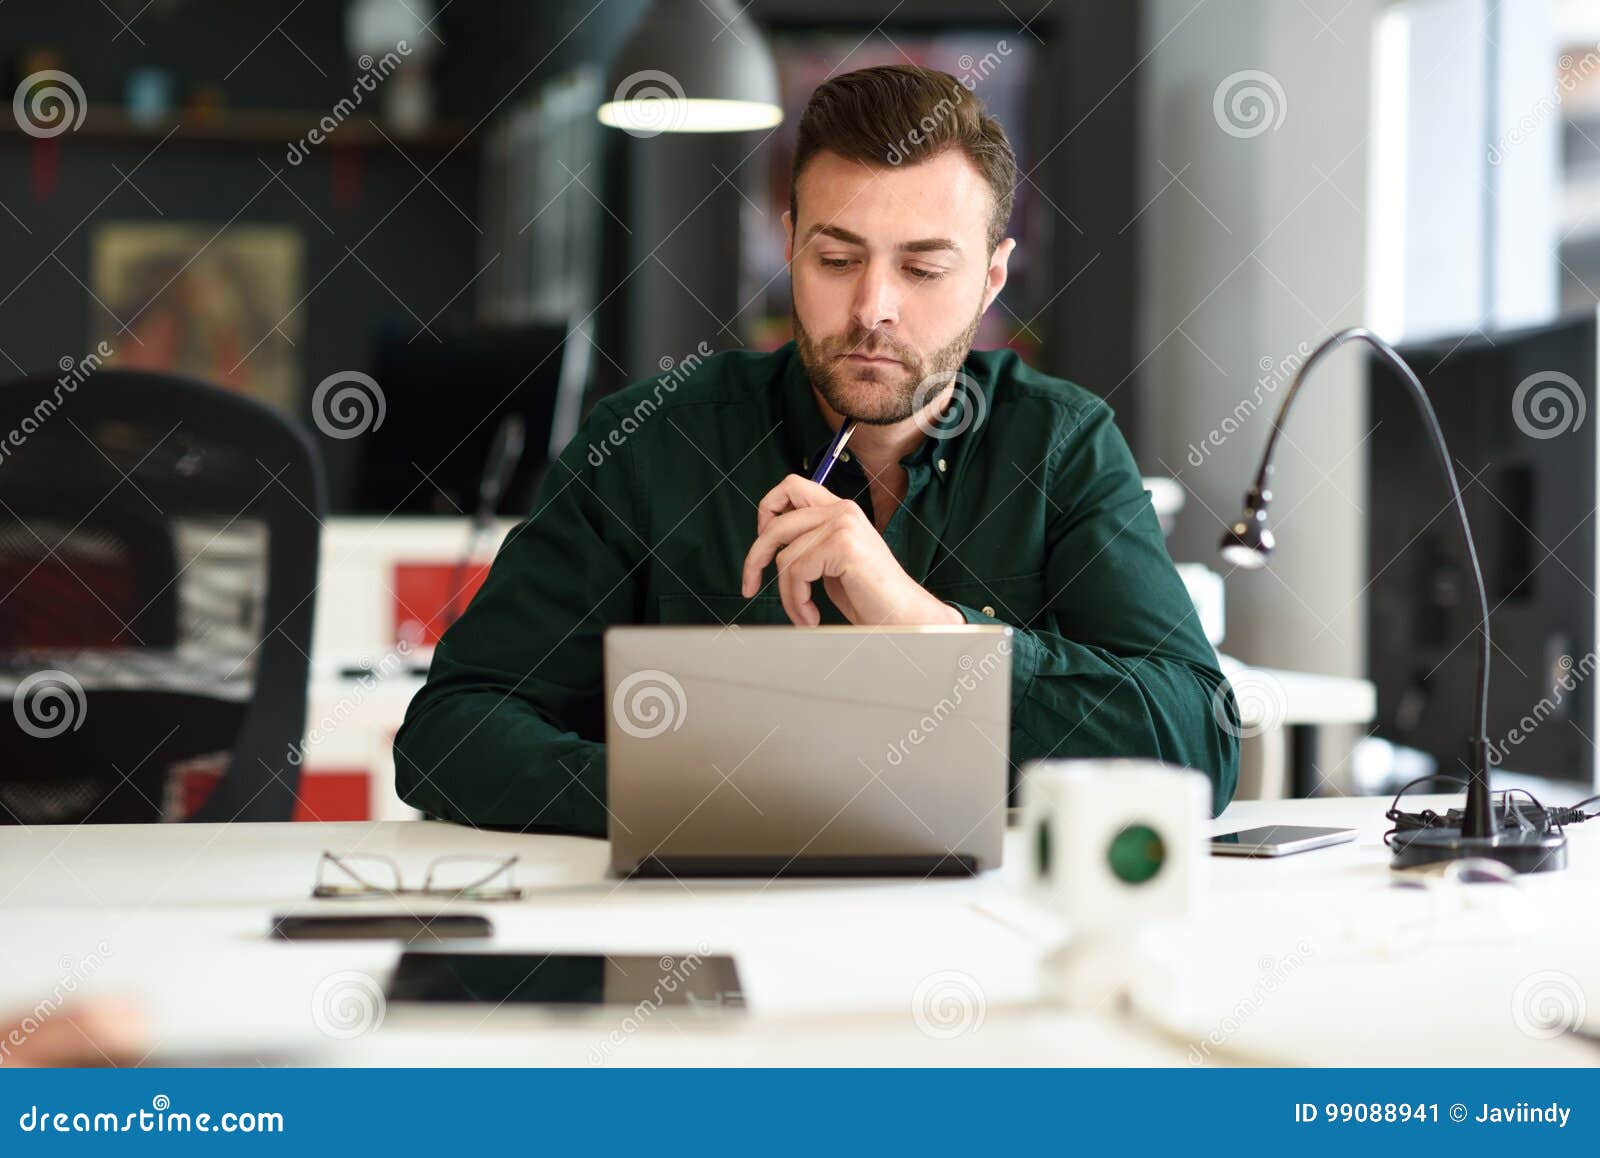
(1513, 810)
(1552, 819)
(1423, 819)
(1406, 787)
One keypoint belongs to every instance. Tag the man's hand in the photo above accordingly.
(814, 534)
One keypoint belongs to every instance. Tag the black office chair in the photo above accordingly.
(158, 570)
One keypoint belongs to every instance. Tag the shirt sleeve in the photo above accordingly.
(1116, 663)
(509, 728)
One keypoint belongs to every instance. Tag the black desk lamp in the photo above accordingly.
(1526, 845)
(505, 454)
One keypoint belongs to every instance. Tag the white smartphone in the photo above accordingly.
(1278, 840)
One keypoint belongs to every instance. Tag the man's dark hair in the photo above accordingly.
(898, 114)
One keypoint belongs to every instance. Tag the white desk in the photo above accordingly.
(1271, 701)
(829, 968)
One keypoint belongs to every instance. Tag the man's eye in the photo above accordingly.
(922, 274)
(836, 262)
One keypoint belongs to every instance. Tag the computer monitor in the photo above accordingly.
(1519, 413)
(445, 398)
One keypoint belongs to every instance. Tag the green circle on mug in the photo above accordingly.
(1136, 854)
(1042, 852)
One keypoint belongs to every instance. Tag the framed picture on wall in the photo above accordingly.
(216, 305)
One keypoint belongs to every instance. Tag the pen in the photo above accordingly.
(835, 449)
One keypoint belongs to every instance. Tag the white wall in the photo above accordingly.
(1254, 243)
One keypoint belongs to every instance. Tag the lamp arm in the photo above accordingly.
(1478, 820)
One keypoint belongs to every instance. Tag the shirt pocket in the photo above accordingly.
(1016, 599)
(722, 610)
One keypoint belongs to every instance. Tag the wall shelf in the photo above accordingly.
(252, 127)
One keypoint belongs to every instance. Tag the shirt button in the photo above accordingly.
(940, 465)
(989, 611)
(845, 454)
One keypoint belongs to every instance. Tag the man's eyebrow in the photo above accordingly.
(929, 244)
(922, 245)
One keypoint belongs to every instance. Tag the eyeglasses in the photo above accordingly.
(467, 876)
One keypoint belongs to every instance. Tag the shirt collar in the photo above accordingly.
(807, 434)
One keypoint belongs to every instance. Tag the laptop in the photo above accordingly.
(823, 751)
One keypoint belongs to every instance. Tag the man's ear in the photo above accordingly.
(998, 265)
(788, 237)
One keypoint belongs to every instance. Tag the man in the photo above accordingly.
(974, 490)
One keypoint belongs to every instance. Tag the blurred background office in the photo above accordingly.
(398, 236)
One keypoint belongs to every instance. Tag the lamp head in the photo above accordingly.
(1248, 543)
(693, 66)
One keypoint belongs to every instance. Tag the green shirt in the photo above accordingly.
(1026, 509)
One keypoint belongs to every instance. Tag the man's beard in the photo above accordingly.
(887, 393)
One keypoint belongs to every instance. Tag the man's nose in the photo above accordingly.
(877, 300)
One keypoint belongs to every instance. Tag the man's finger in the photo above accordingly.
(793, 493)
(780, 532)
(800, 564)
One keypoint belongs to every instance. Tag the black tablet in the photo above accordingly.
(563, 979)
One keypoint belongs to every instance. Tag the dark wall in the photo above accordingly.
(422, 252)
(413, 251)
(1091, 99)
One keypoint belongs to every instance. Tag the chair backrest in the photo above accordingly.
(158, 563)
